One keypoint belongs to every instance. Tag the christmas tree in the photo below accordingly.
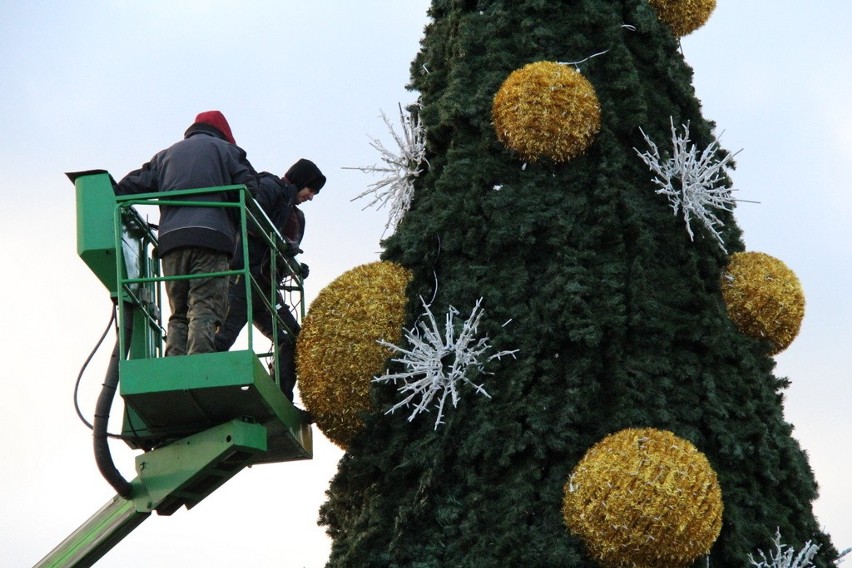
(565, 355)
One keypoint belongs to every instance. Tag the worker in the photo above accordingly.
(280, 199)
(196, 240)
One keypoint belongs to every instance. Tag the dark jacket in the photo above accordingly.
(202, 159)
(277, 199)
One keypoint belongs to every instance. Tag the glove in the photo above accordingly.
(304, 270)
(292, 249)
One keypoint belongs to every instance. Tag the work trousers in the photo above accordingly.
(287, 328)
(198, 305)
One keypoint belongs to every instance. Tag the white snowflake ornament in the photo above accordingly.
(437, 364)
(402, 166)
(693, 182)
(785, 556)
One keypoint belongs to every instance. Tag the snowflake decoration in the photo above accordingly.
(396, 187)
(785, 556)
(436, 365)
(693, 183)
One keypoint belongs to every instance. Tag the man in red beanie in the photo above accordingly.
(196, 240)
(279, 198)
(217, 120)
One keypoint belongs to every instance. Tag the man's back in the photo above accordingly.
(202, 159)
(195, 241)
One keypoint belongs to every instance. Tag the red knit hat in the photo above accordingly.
(217, 120)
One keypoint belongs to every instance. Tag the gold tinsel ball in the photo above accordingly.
(684, 16)
(644, 498)
(546, 109)
(337, 354)
(764, 298)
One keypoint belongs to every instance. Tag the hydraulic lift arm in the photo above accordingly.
(200, 419)
(179, 474)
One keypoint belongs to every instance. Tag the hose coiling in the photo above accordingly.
(103, 457)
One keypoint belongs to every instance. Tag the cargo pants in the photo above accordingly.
(198, 305)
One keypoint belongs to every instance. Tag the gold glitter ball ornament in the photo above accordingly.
(683, 16)
(337, 354)
(644, 498)
(764, 298)
(546, 109)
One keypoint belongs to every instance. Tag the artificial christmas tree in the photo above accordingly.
(538, 205)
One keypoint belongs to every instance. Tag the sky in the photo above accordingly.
(106, 84)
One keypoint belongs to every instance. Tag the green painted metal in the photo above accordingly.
(122, 254)
(200, 418)
(97, 536)
(185, 472)
(136, 267)
(95, 235)
(181, 474)
(167, 398)
(97, 244)
(177, 396)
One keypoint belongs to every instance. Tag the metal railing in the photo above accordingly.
(140, 280)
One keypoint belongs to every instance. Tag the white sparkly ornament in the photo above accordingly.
(785, 556)
(436, 365)
(396, 187)
(693, 182)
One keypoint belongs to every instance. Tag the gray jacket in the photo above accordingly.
(202, 159)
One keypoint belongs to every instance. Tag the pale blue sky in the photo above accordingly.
(105, 84)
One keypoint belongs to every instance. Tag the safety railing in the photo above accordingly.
(140, 280)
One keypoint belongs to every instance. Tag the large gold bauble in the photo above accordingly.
(546, 109)
(337, 354)
(764, 298)
(644, 498)
(683, 16)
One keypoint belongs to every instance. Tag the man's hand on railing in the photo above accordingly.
(292, 248)
(303, 270)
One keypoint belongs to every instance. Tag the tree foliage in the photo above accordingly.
(616, 312)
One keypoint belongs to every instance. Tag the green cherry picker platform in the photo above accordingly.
(198, 419)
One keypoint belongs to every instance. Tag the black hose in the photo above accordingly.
(103, 458)
(83, 370)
